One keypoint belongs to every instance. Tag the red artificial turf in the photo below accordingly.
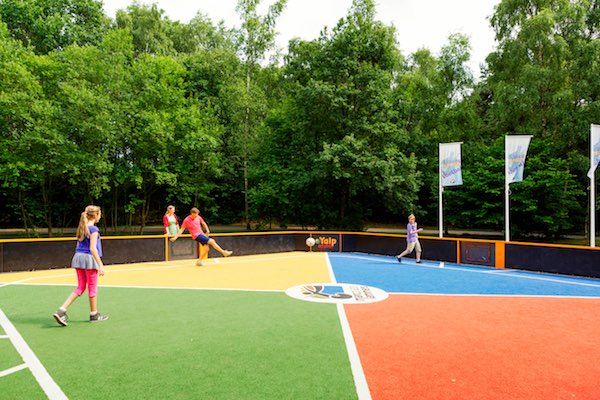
(480, 347)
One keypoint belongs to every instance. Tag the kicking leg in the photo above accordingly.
(213, 243)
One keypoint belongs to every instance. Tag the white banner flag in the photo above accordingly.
(594, 149)
(450, 164)
(515, 151)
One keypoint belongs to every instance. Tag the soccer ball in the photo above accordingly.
(310, 242)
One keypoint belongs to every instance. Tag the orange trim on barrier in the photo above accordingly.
(458, 251)
(68, 239)
(500, 250)
(309, 232)
(564, 246)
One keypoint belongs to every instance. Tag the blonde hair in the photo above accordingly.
(83, 230)
(411, 216)
(170, 208)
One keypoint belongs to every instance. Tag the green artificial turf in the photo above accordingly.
(20, 385)
(184, 344)
(9, 357)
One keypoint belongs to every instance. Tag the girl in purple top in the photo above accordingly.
(87, 263)
(412, 239)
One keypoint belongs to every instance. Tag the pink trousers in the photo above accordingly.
(87, 278)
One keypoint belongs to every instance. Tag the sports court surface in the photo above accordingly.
(228, 330)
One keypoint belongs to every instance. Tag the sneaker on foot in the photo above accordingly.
(61, 317)
(199, 263)
(227, 253)
(418, 261)
(399, 259)
(98, 317)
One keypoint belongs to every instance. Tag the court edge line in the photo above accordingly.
(509, 273)
(110, 270)
(22, 281)
(12, 370)
(495, 295)
(48, 385)
(283, 291)
(360, 381)
(158, 287)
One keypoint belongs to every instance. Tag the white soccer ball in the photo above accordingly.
(310, 242)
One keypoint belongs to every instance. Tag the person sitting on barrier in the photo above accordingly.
(194, 223)
(170, 221)
(412, 239)
(87, 263)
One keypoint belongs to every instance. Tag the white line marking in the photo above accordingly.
(34, 278)
(110, 270)
(548, 296)
(509, 273)
(44, 379)
(3, 337)
(161, 287)
(360, 381)
(12, 370)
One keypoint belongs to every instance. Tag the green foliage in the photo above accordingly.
(142, 111)
(337, 132)
(148, 28)
(48, 25)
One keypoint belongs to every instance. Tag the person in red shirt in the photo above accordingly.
(194, 224)
(170, 221)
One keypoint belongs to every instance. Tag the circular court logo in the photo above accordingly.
(337, 293)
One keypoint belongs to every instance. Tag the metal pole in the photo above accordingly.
(506, 195)
(441, 190)
(593, 210)
(592, 192)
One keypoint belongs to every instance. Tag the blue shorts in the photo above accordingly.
(202, 239)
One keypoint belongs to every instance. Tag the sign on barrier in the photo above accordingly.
(478, 253)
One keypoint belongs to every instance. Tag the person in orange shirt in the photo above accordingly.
(194, 224)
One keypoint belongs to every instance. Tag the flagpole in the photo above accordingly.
(441, 190)
(506, 194)
(593, 210)
(592, 190)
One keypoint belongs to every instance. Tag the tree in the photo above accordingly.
(49, 25)
(22, 108)
(542, 81)
(434, 98)
(333, 150)
(200, 34)
(257, 36)
(148, 29)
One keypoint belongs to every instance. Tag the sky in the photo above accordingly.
(419, 23)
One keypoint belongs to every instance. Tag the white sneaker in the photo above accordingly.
(227, 253)
(199, 263)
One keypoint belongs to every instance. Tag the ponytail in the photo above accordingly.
(83, 230)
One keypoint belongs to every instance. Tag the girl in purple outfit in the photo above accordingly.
(412, 239)
(87, 263)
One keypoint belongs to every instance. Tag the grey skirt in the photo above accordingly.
(84, 261)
